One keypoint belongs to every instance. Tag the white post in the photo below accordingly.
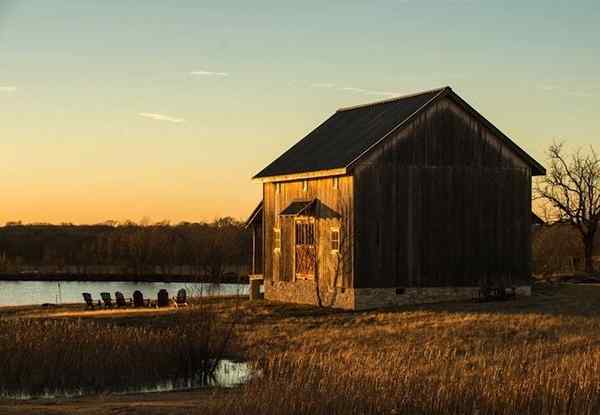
(253, 250)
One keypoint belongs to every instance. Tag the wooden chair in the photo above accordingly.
(181, 299)
(108, 303)
(121, 301)
(138, 299)
(163, 299)
(87, 297)
(496, 293)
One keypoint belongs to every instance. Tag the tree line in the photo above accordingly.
(201, 249)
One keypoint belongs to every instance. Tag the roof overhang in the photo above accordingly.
(255, 215)
(300, 176)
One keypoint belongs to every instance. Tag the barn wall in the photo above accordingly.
(442, 203)
(256, 249)
(334, 204)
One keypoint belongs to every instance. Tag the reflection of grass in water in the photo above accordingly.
(227, 374)
(196, 291)
(46, 356)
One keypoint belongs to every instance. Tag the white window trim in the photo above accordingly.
(276, 231)
(331, 231)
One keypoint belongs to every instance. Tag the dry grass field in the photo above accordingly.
(538, 355)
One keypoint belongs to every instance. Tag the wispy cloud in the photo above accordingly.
(579, 93)
(323, 85)
(547, 87)
(355, 90)
(8, 88)
(566, 90)
(160, 117)
(372, 92)
(209, 73)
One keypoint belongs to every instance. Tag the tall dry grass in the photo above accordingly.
(533, 356)
(40, 357)
(428, 380)
(537, 355)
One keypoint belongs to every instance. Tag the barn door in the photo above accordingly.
(305, 255)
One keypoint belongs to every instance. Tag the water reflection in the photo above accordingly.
(14, 293)
(227, 374)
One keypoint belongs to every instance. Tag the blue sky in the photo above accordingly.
(165, 109)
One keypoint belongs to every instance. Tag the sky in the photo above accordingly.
(164, 110)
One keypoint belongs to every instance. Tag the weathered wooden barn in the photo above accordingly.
(410, 200)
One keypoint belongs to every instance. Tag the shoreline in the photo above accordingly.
(120, 278)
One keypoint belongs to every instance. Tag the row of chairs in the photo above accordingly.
(137, 300)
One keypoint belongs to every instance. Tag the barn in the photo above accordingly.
(416, 199)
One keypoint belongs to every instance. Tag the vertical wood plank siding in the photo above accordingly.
(443, 203)
(332, 204)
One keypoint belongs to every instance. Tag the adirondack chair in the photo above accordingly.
(108, 302)
(138, 299)
(89, 302)
(163, 299)
(181, 299)
(120, 300)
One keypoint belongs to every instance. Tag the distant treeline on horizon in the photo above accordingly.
(200, 249)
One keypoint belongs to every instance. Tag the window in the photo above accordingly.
(276, 239)
(305, 233)
(336, 183)
(335, 239)
(304, 185)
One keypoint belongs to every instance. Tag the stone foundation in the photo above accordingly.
(304, 292)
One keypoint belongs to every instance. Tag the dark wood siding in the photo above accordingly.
(443, 203)
(256, 249)
(334, 209)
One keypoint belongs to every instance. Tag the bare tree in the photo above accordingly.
(571, 190)
(340, 254)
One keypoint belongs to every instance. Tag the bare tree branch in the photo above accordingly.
(572, 189)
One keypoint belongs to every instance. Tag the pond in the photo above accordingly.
(15, 293)
(228, 374)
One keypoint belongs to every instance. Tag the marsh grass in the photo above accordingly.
(430, 380)
(534, 356)
(78, 356)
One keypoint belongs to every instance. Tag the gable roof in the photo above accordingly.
(351, 132)
(255, 216)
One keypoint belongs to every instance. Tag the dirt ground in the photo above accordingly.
(195, 402)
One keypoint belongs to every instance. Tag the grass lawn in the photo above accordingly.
(531, 355)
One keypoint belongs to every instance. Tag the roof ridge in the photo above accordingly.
(384, 101)
(438, 93)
